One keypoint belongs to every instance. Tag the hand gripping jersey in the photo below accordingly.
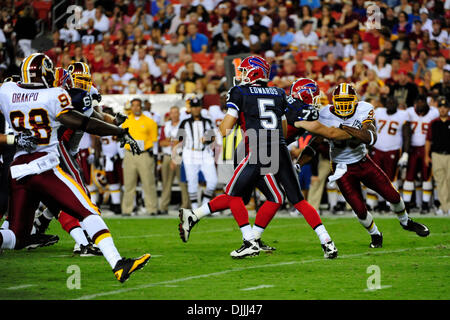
(260, 111)
(419, 125)
(36, 110)
(352, 150)
(389, 129)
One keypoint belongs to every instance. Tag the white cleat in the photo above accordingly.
(187, 221)
(329, 250)
(248, 249)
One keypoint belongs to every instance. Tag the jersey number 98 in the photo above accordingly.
(38, 121)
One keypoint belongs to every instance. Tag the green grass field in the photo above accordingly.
(411, 267)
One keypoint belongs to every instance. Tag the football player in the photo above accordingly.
(34, 104)
(420, 116)
(349, 126)
(260, 111)
(393, 137)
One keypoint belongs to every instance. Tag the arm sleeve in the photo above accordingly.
(234, 99)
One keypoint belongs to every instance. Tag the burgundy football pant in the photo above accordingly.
(367, 172)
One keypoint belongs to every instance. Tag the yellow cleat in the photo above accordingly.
(125, 267)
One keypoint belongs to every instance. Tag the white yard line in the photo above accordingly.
(21, 287)
(258, 287)
(219, 273)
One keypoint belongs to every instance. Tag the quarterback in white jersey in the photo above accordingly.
(420, 116)
(350, 162)
(36, 176)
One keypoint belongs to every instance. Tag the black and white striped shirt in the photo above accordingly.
(191, 132)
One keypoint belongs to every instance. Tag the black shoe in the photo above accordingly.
(339, 208)
(425, 208)
(264, 247)
(418, 228)
(163, 213)
(115, 208)
(41, 240)
(377, 241)
(41, 224)
(125, 267)
(382, 207)
(89, 251)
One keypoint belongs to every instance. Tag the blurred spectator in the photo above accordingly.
(142, 20)
(88, 12)
(351, 48)
(283, 16)
(197, 42)
(403, 6)
(108, 67)
(122, 77)
(133, 87)
(249, 39)
(405, 61)
(439, 34)
(139, 57)
(69, 35)
(437, 73)
(404, 90)
(283, 37)
(348, 21)
(326, 18)
(97, 59)
(371, 78)
(388, 51)
(109, 87)
(389, 20)
(330, 45)
(359, 58)
(312, 4)
(306, 14)
(427, 24)
(382, 68)
(78, 55)
(368, 54)
(101, 22)
(403, 24)
(264, 42)
(306, 39)
(257, 26)
(179, 19)
(238, 46)
(331, 65)
(288, 74)
(223, 41)
(90, 35)
(118, 20)
(25, 30)
(422, 64)
(171, 51)
(443, 88)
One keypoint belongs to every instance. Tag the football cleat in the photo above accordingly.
(377, 241)
(87, 251)
(41, 240)
(418, 228)
(264, 247)
(187, 221)
(329, 250)
(248, 249)
(41, 223)
(76, 249)
(125, 267)
(425, 208)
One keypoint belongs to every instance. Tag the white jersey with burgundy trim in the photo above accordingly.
(389, 129)
(352, 150)
(36, 110)
(110, 147)
(419, 125)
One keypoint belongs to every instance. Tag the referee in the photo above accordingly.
(196, 134)
(438, 144)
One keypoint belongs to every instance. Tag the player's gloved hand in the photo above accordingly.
(298, 168)
(126, 138)
(403, 161)
(25, 140)
(97, 97)
(120, 118)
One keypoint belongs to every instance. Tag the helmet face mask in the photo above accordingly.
(344, 100)
(81, 75)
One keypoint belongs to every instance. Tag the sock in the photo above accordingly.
(99, 233)
(247, 232)
(322, 233)
(418, 187)
(332, 197)
(202, 211)
(400, 210)
(7, 239)
(193, 198)
(257, 231)
(79, 237)
(369, 224)
(265, 213)
(310, 214)
(408, 188)
(427, 191)
(207, 195)
(115, 193)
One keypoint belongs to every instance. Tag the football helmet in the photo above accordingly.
(305, 90)
(252, 69)
(63, 79)
(81, 75)
(344, 99)
(37, 70)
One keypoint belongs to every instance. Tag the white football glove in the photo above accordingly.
(403, 161)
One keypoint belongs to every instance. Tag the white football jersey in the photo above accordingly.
(216, 114)
(110, 147)
(389, 129)
(36, 110)
(170, 131)
(352, 150)
(419, 125)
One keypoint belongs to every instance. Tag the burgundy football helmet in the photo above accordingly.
(252, 69)
(37, 70)
(305, 90)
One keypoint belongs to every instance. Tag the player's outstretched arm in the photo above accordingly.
(327, 132)
(309, 151)
(367, 134)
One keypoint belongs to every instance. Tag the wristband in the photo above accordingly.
(10, 139)
(371, 138)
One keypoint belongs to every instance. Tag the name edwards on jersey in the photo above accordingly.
(264, 90)
(24, 97)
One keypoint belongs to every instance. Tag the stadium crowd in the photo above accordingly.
(393, 48)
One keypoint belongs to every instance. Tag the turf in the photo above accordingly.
(411, 267)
